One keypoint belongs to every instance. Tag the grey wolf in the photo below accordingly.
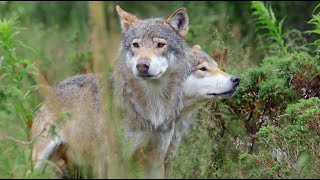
(154, 61)
(206, 82)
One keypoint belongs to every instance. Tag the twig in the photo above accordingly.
(24, 142)
(250, 116)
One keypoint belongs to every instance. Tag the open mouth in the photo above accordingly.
(225, 93)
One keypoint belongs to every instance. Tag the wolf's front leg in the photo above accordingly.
(155, 157)
(171, 152)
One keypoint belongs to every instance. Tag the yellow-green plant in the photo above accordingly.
(269, 26)
(16, 94)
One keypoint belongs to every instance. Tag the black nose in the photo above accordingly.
(143, 66)
(235, 80)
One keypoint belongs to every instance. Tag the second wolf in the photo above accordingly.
(206, 82)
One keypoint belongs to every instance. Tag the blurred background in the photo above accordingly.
(60, 31)
(270, 129)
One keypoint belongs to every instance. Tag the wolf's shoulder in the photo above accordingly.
(79, 80)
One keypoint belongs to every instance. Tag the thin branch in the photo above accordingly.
(24, 142)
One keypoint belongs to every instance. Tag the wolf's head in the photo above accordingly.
(207, 80)
(150, 47)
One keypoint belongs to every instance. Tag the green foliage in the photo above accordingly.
(295, 144)
(305, 110)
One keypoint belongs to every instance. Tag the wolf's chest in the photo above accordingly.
(154, 109)
(157, 111)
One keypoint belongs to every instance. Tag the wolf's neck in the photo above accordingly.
(190, 104)
(186, 117)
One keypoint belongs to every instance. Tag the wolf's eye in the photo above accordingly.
(203, 69)
(160, 45)
(136, 45)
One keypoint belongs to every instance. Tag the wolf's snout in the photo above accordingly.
(143, 66)
(235, 80)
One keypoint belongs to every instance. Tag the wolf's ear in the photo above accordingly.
(196, 47)
(126, 19)
(179, 21)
